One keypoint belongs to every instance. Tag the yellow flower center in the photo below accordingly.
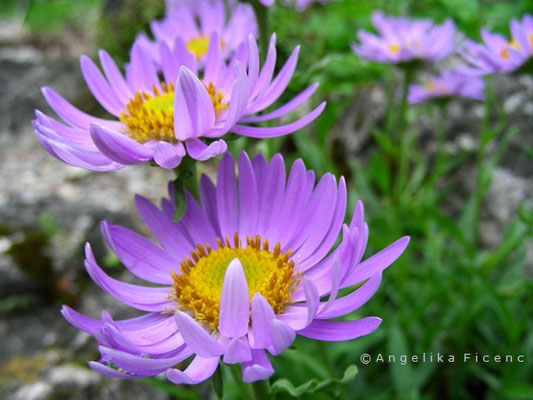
(505, 51)
(200, 45)
(198, 286)
(151, 116)
(394, 48)
(430, 86)
(505, 54)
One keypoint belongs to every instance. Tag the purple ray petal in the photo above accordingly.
(259, 368)
(282, 336)
(377, 263)
(99, 87)
(334, 331)
(237, 351)
(227, 207)
(352, 301)
(194, 114)
(119, 147)
(142, 257)
(167, 155)
(248, 199)
(234, 304)
(201, 152)
(198, 371)
(139, 297)
(196, 337)
(262, 315)
(113, 373)
(267, 132)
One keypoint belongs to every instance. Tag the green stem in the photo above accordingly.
(261, 15)
(186, 180)
(261, 390)
(402, 134)
(441, 141)
(480, 161)
(246, 390)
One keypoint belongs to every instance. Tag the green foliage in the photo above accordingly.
(312, 386)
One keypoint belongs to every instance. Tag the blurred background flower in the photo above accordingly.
(450, 84)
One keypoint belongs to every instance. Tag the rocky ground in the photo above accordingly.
(48, 210)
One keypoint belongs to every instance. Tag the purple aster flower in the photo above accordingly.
(497, 54)
(238, 276)
(449, 84)
(189, 25)
(164, 121)
(402, 40)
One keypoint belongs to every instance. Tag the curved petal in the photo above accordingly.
(198, 371)
(377, 263)
(268, 132)
(164, 229)
(352, 301)
(118, 147)
(142, 257)
(333, 331)
(259, 368)
(282, 336)
(196, 337)
(201, 152)
(167, 155)
(139, 297)
(99, 87)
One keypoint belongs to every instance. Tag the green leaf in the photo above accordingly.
(313, 385)
(218, 383)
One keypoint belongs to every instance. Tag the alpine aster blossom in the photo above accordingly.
(497, 54)
(447, 85)
(165, 120)
(189, 25)
(402, 40)
(299, 4)
(241, 274)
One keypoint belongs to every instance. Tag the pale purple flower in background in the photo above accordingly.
(402, 40)
(299, 4)
(164, 121)
(189, 25)
(447, 85)
(497, 54)
(240, 275)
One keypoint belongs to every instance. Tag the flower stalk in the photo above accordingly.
(186, 179)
